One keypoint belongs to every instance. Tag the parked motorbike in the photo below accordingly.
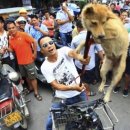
(93, 115)
(13, 106)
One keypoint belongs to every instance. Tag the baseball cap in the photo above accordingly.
(20, 19)
(22, 10)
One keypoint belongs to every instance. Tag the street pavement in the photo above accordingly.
(40, 109)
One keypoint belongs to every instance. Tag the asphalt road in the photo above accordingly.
(40, 109)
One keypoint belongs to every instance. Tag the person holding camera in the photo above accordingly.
(64, 18)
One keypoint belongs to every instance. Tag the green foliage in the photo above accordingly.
(82, 3)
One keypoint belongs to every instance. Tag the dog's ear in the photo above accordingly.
(110, 15)
(89, 11)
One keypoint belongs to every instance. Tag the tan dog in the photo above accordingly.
(108, 30)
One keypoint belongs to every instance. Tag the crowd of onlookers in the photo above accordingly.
(28, 38)
(63, 26)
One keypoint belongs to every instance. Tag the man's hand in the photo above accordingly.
(84, 61)
(79, 57)
(64, 6)
(2, 51)
(65, 9)
(37, 28)
(78, 88)
(8, 49)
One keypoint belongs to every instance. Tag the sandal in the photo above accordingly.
(27, 91)
(38, 97)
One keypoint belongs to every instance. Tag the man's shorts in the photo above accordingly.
(127, 70)
(28, 71)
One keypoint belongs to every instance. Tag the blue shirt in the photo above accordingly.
(37, 34)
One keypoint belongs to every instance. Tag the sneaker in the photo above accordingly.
(125, 92)
(116, 89)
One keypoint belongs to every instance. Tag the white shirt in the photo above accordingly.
(127, 26)
(76, 41)
(61, 15)
(63, 71)
(27, 28)
(4, 43)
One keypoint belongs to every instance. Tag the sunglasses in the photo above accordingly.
(45, 45)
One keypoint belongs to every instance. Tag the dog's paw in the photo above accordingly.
(107, 98)
(101, 88)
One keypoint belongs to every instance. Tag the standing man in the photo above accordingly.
(60, 71)
(24, 47)
(64, 18)
(21, 23)
(89, 75)
(23, 13)
(37, 30)
(49, 22)
(7, 57)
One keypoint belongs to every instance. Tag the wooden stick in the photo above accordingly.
(87, 46)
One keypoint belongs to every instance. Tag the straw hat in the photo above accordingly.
(22, 10)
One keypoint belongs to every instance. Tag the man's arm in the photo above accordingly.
(46, 33)
(70, 16)
(101, 55)
(9, 49)
(100, 52)
(80, 46)
(73, 54)
(63, 87)
(34, 47)
(61, 22)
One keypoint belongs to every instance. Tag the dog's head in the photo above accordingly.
(94, 18)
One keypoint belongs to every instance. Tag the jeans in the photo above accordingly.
(68, 101)
(66, 38)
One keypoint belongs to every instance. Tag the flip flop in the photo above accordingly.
(26, 91)
(38, 97)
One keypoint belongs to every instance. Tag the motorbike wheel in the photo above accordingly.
(98, 127)
(23, 124)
